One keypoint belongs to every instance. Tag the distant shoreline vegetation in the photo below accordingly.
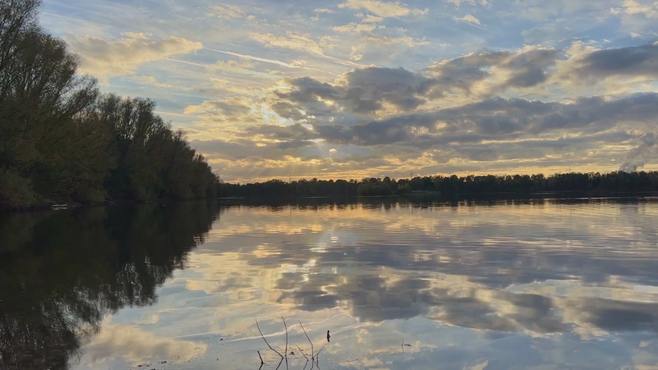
(61, 141)
(452, 187)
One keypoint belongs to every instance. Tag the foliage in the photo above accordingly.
(453, 186)
(61, 141)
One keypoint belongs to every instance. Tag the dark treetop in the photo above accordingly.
(593, 184)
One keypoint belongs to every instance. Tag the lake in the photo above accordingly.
(500, 285)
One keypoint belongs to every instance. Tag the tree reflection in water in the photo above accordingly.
(61, 272)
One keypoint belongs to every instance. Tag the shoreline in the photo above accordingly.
(435, 197)
(327, 199)
(63, 206)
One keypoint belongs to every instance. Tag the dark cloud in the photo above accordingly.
(525, 68)
(629, 61)
(529, 68)
(344, 113)
(288, 110)
(462, 72)
(245, 149)
(615, 315)
(497, 119)
(293, 132)
(365, 91)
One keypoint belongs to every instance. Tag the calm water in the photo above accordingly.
(542, 285)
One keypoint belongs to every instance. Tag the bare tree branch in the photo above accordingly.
(309, 340)
(267, 342)
(261, 359)
(286, 327)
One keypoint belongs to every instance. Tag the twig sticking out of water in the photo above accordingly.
(302, 352)
(286, 327)
(267, 342)
(309, 340)
(286, 349)
(261, 359)
(315, 357)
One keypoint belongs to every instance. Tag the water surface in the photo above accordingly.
(504, 285)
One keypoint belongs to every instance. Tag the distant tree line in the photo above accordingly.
(61, 140)
(452, 186)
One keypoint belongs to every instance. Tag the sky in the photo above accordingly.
(359, 88)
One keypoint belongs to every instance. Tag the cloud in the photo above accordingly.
(644, 8)
(458, 3)
(303, 43)
(377, 90)
(629, 61)
(104, 58)
(255, 58)
(382, 9)
(496, 118)
(488, 72)
(467, 79)
(382, 47)
(468, 18)
(226, 108)
(134, 345)
(638, 157)
(323, 11)
(356, 27)
(226, 116)
(452, 115)
(363, 91)
(226, 11)
(292, 41)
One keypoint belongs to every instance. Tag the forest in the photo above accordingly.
(62, 140)
(614, 183)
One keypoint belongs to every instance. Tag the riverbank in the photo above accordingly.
(434, 198)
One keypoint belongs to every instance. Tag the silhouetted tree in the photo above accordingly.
(453, 186)
(60, 141)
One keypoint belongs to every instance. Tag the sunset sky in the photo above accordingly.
(356, 88)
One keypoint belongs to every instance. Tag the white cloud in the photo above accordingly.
(355, 27)
(468, 18)
(302, 43)
(382, 9)
(644, 8)
(323, 11)
(226, 11)
(103, 58)
(292, 41)
(458, 3)
(134, 344)
(256, 58)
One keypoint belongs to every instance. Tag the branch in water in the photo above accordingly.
(266, 341)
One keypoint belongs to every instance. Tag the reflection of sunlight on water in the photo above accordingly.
(495, 287)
